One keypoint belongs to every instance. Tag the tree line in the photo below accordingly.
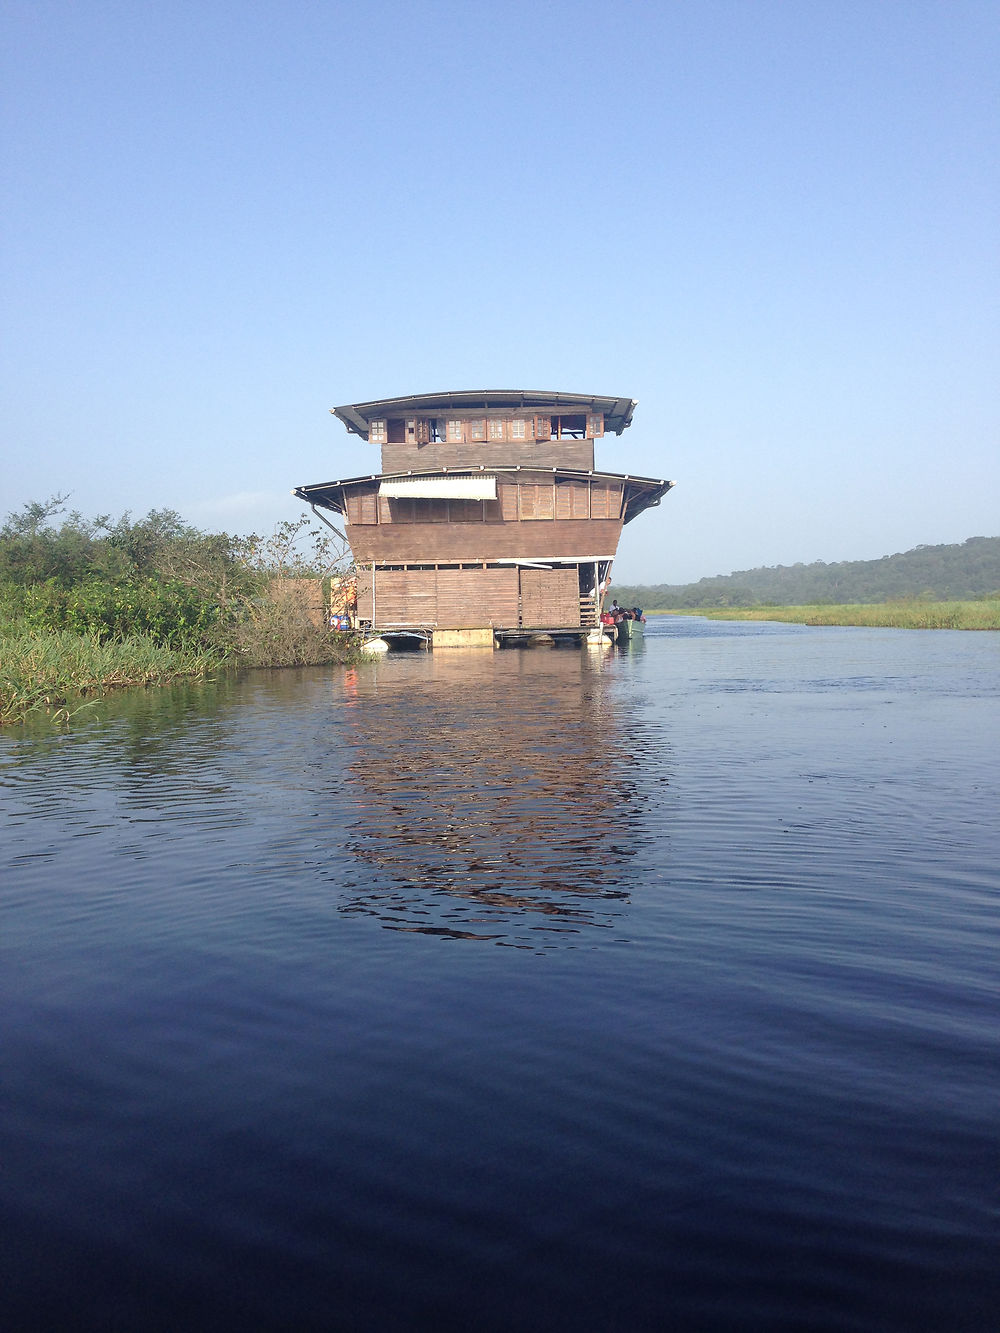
(964, 571)
(161, 578)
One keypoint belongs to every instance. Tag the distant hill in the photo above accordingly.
(965, 571)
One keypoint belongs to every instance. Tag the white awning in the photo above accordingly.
(475, 487)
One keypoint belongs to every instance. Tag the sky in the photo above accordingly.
(773, 223)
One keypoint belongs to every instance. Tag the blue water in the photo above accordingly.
(546, 989)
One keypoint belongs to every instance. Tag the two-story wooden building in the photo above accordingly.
(488, 512)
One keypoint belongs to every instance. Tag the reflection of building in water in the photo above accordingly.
(488, 805)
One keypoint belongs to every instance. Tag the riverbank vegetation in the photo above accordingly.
(983, 614)
(90, 605)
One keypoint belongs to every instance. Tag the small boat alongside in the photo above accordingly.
(629, 632)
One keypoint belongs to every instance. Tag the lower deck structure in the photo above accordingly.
(504, 595)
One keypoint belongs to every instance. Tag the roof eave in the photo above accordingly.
(617, 411)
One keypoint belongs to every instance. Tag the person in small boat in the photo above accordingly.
(637, 614)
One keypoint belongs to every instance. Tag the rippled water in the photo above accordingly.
(533, 990)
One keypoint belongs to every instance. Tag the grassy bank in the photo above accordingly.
(48, 670)
(89, 606)
(55, 672)
(890, 615)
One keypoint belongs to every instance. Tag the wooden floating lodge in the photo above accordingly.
(488, 522)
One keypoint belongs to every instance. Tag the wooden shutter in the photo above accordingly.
(605, 502)
(361, 507)
(573, 500)
(507, 495)
(538, 500)
(545, 502)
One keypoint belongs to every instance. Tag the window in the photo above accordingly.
(595, 426)
(517, 429)
(477, 429)
(570, 428)
(455, 430)
(376, 432)
(496, 428)
(543, 428)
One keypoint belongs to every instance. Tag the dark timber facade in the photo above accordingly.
(488, 512)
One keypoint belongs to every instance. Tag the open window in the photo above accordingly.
(570, 427)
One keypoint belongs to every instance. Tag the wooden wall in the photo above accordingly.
(550, 598)
(537, 516)
(447, 598)
(505, 598)
(468, 597)
(445, 543)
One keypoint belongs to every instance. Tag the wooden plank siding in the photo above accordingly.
(470, 597)
(448, 543)
(445, 598)
(550, 598)
(406, 596)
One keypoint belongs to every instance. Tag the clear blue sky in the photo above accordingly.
(773, 224)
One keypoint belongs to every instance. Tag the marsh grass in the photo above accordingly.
(889, 615)
(48, 670)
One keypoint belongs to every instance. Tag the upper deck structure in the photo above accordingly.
(488, 512)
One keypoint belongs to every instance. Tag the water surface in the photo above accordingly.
(539, 989)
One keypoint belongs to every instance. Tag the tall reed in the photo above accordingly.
(47, 670)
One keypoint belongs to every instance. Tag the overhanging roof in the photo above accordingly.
(617, 411)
